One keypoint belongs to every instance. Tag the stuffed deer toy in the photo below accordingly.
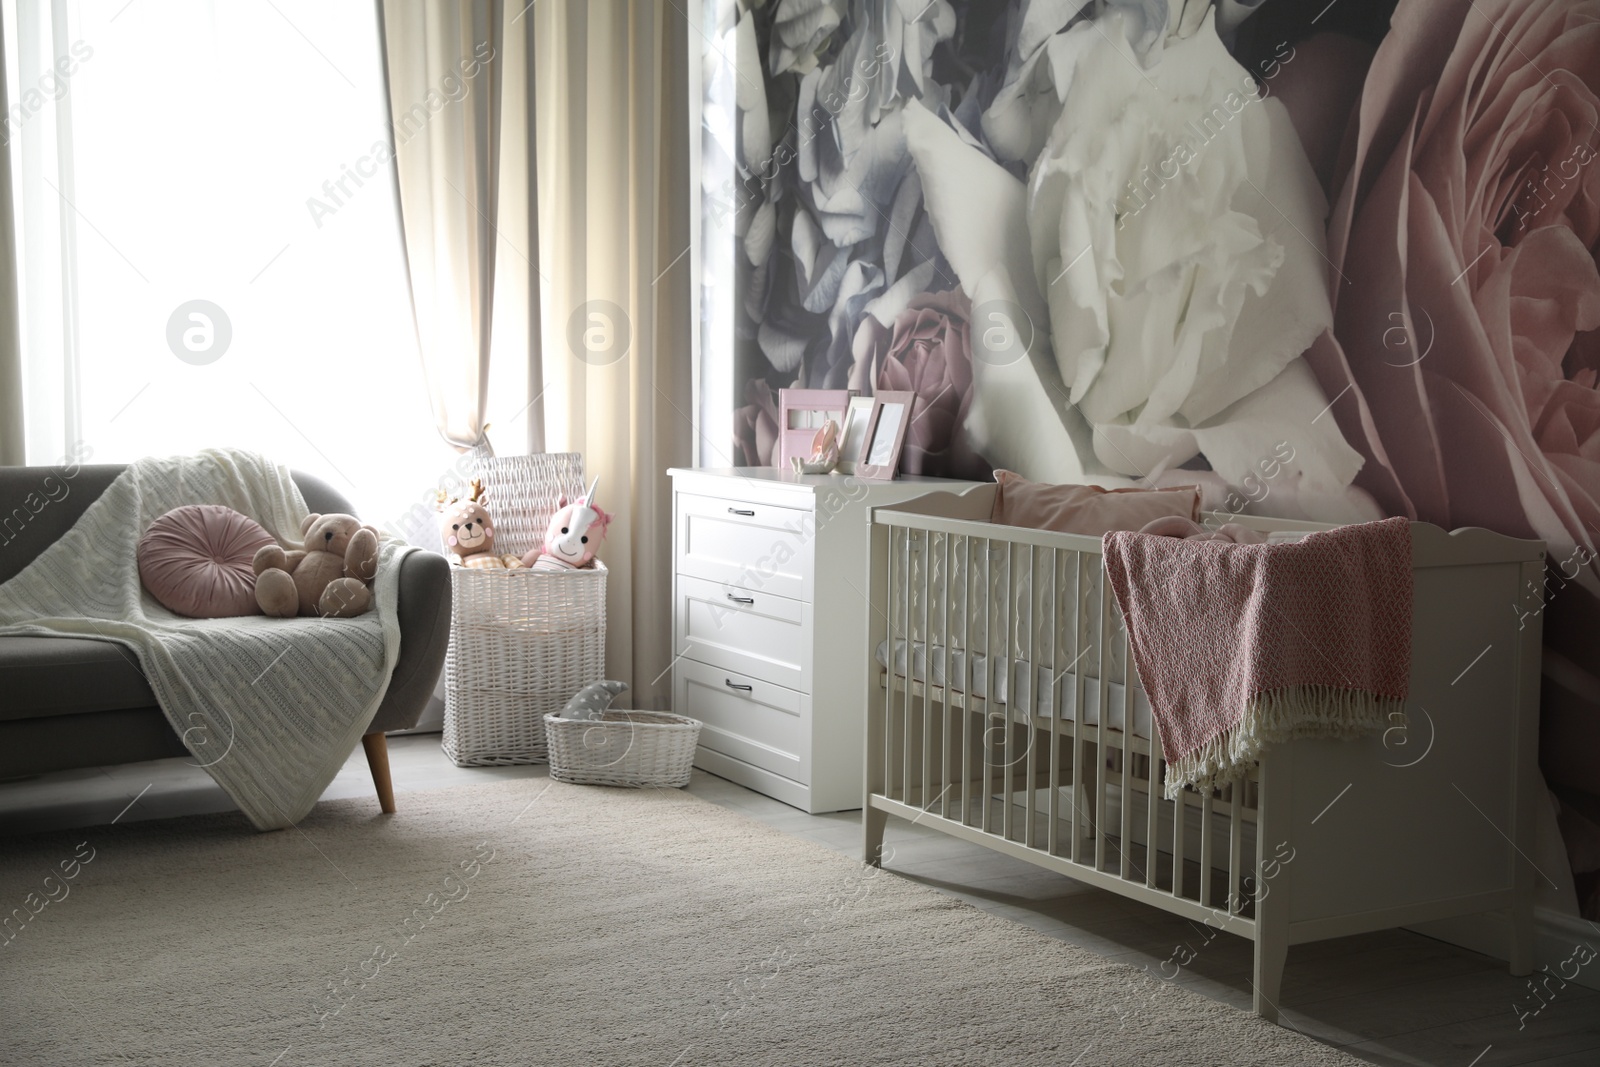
(468, 531)
(573, 537)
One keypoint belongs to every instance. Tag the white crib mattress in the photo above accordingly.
(983, 680)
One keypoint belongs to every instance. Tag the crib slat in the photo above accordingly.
(1207, 846)
(1235, 847)
(968, 702)
(1008, 609)
(1080, 788)
(1052, 836)
(1152, 851)
(1030, 765)
(889, 678)
(911, 662)
(927, 655)
(1104, 690)
(988, 674)
(1125, 847)
(1052, 829)
(1180, 816)
(944, 711)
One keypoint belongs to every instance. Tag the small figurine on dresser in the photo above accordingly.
(468, 531)
(824, 451)
(573, 536)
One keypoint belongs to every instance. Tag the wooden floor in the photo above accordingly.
(1389, 998)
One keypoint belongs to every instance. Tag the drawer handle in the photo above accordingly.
(741, 599)
(746, 512)
(731, 684)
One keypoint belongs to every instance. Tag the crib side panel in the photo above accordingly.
(1418, 823)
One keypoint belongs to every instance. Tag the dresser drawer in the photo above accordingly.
(744, 717)
(746, 546)
(753, 633)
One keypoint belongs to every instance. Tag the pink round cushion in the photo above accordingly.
(196, 560)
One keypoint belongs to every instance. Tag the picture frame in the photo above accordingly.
(801, 413)
(853, 433)
(892, 411)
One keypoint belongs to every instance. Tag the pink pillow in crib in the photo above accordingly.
(1087, 509)
(196, 560)
(1231, 533)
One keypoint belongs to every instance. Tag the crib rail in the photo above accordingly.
(1007, 711)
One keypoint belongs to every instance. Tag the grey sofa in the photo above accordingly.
(70, 702)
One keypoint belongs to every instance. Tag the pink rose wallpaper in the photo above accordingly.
(1150, 242)
(928, 351)
(1464, 234)
(756, 427)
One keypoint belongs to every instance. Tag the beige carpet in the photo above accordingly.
(590, 926)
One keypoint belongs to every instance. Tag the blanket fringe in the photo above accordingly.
(1273, 716)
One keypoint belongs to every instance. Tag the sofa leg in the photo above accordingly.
(378, 759)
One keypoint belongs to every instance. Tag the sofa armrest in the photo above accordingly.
(425, 593)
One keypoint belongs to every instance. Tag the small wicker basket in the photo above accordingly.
(521, 641)
(638, 749)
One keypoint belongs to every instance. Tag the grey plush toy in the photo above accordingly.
(590, 702)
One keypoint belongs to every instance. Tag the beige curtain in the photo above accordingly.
(612, 84)
(567, 171)
(12, 447)
(461, 114)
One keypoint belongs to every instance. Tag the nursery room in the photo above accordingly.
(672, 532)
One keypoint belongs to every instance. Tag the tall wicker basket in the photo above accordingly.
(521, 642)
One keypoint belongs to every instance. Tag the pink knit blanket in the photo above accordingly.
(1239, 646)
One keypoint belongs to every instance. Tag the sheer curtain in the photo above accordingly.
(464, 175)
(38, 136)
(13, 447)
(206, 241)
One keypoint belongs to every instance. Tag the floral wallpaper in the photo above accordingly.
(1163, 241)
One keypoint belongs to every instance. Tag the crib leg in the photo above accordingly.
(1273, 883)
(1521, 948)
(1521, 955)
(873, 823)
(1271, 952)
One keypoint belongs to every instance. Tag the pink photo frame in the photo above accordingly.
(808, 408)
(892, 411)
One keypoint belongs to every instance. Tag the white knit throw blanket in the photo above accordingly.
(270, 707)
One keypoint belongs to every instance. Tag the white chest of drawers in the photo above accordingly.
(770, 625)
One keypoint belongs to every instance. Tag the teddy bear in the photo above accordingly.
(468, 531)
(331, 576)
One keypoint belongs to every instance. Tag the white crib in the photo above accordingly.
(990, 638)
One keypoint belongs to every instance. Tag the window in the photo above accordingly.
(209, 246)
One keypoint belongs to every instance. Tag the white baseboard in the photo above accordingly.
(1554, 937)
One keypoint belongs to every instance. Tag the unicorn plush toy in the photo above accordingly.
(573, 536)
